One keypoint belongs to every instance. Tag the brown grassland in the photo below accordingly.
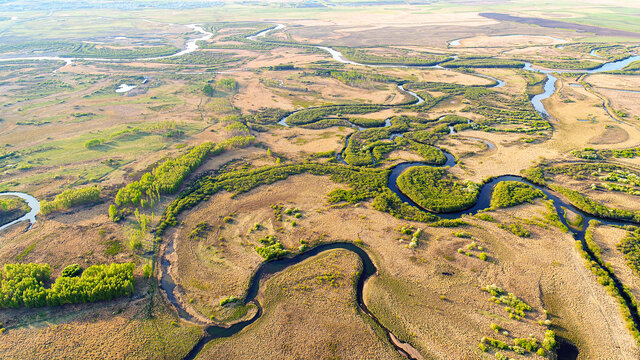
(65, 127)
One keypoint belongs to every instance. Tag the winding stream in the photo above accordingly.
(269, 268)
(190, 46)
(550, 83)
(272, 267)
(369, 269)
(33, 203)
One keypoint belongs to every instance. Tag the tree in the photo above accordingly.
(208, 89)
(113, 213)
(227, 84)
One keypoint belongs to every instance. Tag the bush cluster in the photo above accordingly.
(70, 198)
(516, 229)
(591, 207)
(24, 285)
(511, 193)
(364, 57)
(271, 248)
(166, 178)
(514, 305)
(365, 184)
(437, 191)
(630, 247)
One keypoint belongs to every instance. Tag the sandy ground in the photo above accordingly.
(105, 330)
(508, 41)
(574, 110)
(81, 236)
(509, 157)
(627, 102)
(626, 82)
(399, 18)
(295, 94)
(293, 142)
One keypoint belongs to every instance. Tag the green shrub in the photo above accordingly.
(113, 213)
(463, 234)
(434, 190)
(498, 344)
(70, 198)
(166, 178)
(72, 270)
(586, 153)
(93, 143)
(549, 342)
(511, 193)
(535, 175)
(485, 217)
(146, 270)
(229, 299)
(208, 90)
(227, 84)
(512, 302)
(200, 231)
(23, 285)
(271, 249)
(516, 229)
(530, 344)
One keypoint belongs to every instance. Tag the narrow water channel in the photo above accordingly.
(33, 203)
(566, 350)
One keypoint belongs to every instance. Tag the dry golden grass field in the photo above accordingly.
(152, 133)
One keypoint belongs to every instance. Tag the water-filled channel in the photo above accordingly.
(484, 198)
(33, 203)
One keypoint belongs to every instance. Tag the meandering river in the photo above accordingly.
(550, 83)
(190, 46)
(369, 269)
(483, 202)
(484, 199)
(33, 203)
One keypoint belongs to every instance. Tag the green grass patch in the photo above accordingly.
(512, 193)
(435, 190)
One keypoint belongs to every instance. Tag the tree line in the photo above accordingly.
(23, 285)
(70, 198)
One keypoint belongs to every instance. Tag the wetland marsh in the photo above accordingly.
(319, 180)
